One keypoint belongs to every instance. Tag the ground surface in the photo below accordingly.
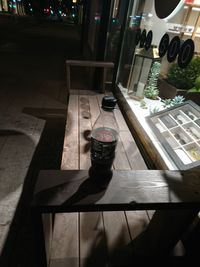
(32, 116)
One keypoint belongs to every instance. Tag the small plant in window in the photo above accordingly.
(166, 102)
(143, 104)
(154, 110)
(151, 89)
(184, 78)
(179, 99)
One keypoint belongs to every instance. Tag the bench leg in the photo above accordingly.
(37, 223)
(163, 232)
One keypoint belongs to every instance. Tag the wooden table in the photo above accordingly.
(74, 191)
(82, 237)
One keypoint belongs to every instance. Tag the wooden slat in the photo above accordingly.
(117, 236)
(135, 159)
(2, 142)
(92, 240)
(65, 244)
(94, 108)
(137, 222)
(85, 63)
(121, 161)
(84, 128)
(143, 189)
(70, 158)
(65, 248)
(120, 120)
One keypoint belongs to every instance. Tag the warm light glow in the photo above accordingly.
(74, 1)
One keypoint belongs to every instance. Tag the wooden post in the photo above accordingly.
(82, 63)
(38, 231)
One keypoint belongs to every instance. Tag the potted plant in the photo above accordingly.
(151, 88)
(179, 80)
(194, 93)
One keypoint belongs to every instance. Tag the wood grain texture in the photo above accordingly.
(84, 109)
(117, 237)
(87, 63)
(85, 127)
(70, 158)
(133, 154)
(65, 244)
(92, 240)
(131, 190)
(137, 222)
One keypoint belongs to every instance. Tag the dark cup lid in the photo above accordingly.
(109, 102)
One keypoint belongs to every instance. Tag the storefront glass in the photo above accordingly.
(136, 61)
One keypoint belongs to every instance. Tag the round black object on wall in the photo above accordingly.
(163, 45)
(143, 38)
(148, 40)
(186, 53)
(165, 8)
(173, 49)
(137, 37)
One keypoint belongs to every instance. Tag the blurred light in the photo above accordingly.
(196, 9)
(31, 9)
(74, 1)
(51, 12)
(73, 15)
(60, 11)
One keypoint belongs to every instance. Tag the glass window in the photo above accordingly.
(136, 62)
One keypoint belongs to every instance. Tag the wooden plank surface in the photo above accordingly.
(92, 240)
(149, 189)
(65, 248)
(85, 128)
(93, 251)
(84, 108)
(65, 244)
(86, 63)
(70, 158)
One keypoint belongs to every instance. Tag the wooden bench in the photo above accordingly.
(82, 229)
(167, 191)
